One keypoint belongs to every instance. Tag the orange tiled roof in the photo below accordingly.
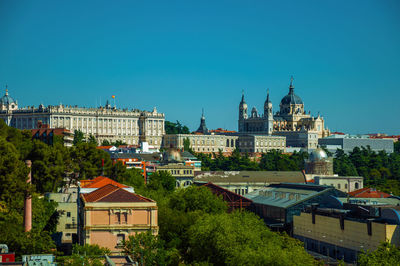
(99, 182)
(104, 147)
(111, 193)
(368, 193)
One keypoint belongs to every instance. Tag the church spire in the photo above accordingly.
(268, 100)
(242, 101)
(202, 128)
(6, 90)
(291, 87)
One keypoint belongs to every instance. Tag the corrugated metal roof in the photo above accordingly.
(286, 195)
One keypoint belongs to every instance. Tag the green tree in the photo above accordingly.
(85, 255)
(241, 238)
(105, 143)
(386, 254)
(161, 180)
(79, 137)
(92, 140)
(131, 177)
(146, 249)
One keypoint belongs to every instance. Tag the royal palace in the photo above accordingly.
(104, 123)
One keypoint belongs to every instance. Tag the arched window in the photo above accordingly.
(356, 185)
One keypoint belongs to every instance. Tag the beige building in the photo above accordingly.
(205, 143)
(105, 123)
(68, 221)
(243, 182)
(332, 234)
(109, 215)
(183, 174)
(261, 143)
(343, 183)
(208, 143)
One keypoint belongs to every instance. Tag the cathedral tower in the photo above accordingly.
(242, 113)
(268, 115)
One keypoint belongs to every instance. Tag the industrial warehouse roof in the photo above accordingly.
(111, 193)
(268, 177)
(286, 195)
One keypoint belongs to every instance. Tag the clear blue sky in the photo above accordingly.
(182, 56)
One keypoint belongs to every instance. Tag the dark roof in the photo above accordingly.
(250, 176)
(6, 99)
(111, 193)
(291, 98)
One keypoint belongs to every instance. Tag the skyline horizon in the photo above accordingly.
(184, 56)
(112, 101)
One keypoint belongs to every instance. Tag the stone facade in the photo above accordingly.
(104, 123)
(261, 143)
(202, 143)
(291, 117)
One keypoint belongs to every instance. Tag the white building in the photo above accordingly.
(104, 123)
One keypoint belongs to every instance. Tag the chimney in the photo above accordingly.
(28, 202)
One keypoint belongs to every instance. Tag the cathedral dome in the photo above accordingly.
(6, 99)
(291, 98)
(318, 155)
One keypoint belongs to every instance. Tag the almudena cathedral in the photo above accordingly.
(105, 122)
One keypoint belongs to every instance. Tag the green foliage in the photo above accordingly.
(44, 222)
(90, 250)
(146, 249)
(161, 180)
(79, 137)
(380, 170)
(196, 198)
(105, 143)
(241, 238)
(87, 161)
(92, 140)
(386, 254)
(175, 128)
(271, 161)
(85, 255)
(130, 177)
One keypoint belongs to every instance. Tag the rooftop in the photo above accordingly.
(99, 182)
(111, 193)
(250, 176)
(368, 193)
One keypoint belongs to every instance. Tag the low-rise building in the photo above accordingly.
(300, 139)
(277, 204)
(243, 182)
(261, 143)
(47, 135)
(109, 215)
(67, 227)
(205, 143)
(347, 143)
(234, 201)
(343, 183)
(183, 174)
(342, 234)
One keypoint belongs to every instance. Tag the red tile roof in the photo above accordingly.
(104, 147)
(99, 182)
(111, 193)
(368, 193)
